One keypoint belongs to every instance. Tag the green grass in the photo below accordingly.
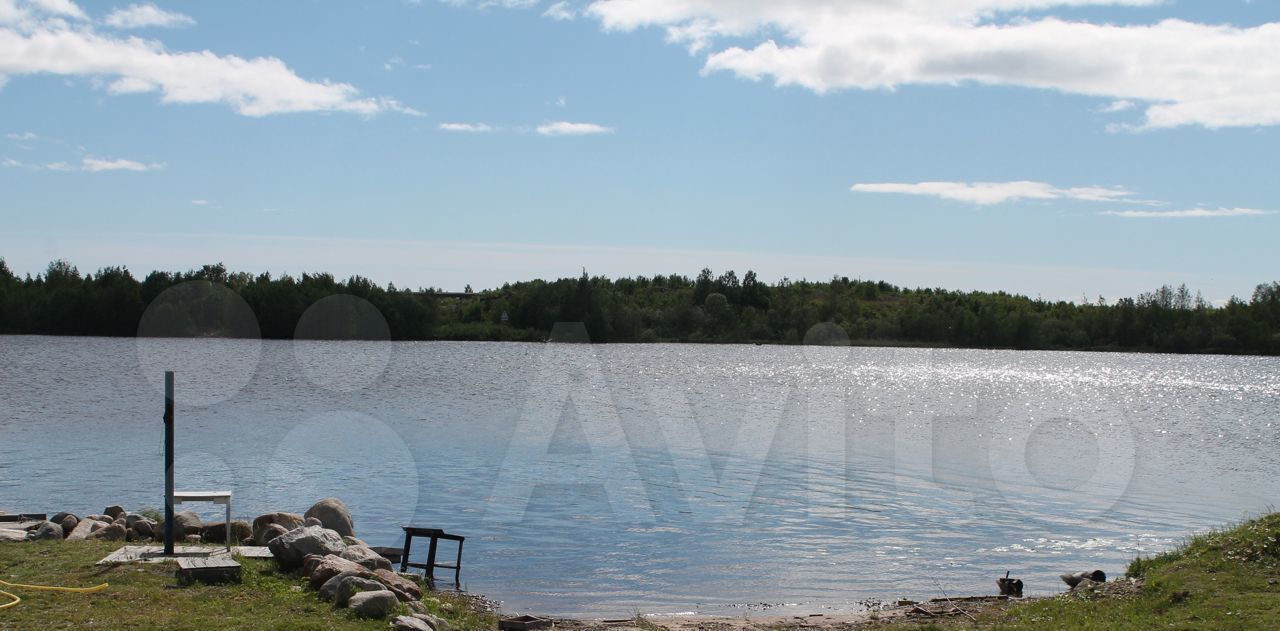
(146, 596)
(1225, 579)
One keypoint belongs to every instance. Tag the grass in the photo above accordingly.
(146, 596)
(1225, 579)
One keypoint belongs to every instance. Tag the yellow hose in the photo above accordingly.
(46, 588)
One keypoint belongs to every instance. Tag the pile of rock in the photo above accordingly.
(114, 524)
(341, 568)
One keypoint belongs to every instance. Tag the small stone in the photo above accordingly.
(113, 512)
(373, 604)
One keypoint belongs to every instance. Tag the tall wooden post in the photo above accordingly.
(168, 463)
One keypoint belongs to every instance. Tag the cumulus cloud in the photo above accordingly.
(26, 135)
(1194, 213)
(253, 87)
(565, 128)
(146, 15)
(1183, 73)
(987, 193)
(467, 127)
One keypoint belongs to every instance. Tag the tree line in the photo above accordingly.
(714, 308)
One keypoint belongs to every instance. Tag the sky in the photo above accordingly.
(1066, 149)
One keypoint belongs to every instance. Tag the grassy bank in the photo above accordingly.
(1226, 579)
(146, 596)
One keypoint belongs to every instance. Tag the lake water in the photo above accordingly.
(602, 480)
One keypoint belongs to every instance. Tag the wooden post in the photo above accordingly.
(168, 463)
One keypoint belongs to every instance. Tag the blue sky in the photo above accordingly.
(1058, 148)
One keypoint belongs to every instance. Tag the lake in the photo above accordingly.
(602, 480)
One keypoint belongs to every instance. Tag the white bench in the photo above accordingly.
(213, 497)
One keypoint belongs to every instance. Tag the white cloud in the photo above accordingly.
(252, 87)
(560, 11)
(1194, 213)
(565, 128)
(987, 193)
(1113, 107)
(107, 164)
(1184, 73)
(90, 164)
(63, 8)
(467, 127)
(199, 202)
(146, 15)
(26, 135)
(485, 4)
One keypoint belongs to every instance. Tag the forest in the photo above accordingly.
(708, 308)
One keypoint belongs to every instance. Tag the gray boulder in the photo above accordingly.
(114, 532)
(312, 521)
(292, 547)
(1096, 576)
(47, 531)
(13, 536)
(364, 555)
(437, 623)
(353, 585)
(330, 587)
(114, 512)
(410, 623)
(145, 527)
(373, 604)
(334, 515)
(186, 523)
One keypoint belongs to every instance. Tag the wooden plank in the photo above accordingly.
(253, 552)
(214, 569)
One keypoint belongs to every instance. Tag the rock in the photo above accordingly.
(405, 589)
(367, 557)
(417, 606)
(192, 539)
(217, 532)
(97, 524)
(12, 536)
(410, 623)
(1097, 576)
(312, 521)
(330, 587)
(331, 566)
(68, 523)
(292, 547)
(145, 527)
(81, 531)
(353, 585)
(114, 532)
(435, 622)
(1083, 586)
(333, 514)
(47, 531)
(98, 518)
(186, 523)
(58, 517)
(285, 521)
(113, 512)
(352, 541)
(373, 604)
(268, 532)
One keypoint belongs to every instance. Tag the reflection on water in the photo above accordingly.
(670, 478)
